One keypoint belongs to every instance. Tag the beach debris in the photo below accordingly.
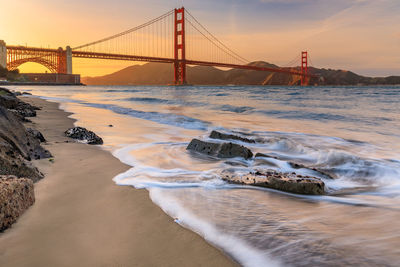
(16, 195)
(35, 133)
(110, 125)
(222, 136)
(224, 150)
(288, 182)
(85, 135)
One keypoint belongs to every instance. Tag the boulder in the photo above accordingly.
(288, 182)
(225, 150)
(38, 135)
(16, 195)
(85, 135)
(223, 136)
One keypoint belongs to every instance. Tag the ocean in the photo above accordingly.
(352, 133)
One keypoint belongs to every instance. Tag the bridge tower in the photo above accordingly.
(179, 47)
(3, 54)
(304, 68)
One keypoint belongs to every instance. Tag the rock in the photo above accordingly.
(18, 147)
(225, 150)
(38, 135)
(261, 155)
(85, 135)
(110, 125)
(26, 93)
(295, 165)
(9, 101)
(222, 136)
(16, 195)
(288, 182)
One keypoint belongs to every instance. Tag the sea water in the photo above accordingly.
(352, 133)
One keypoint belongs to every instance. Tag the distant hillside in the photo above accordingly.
(162, 74)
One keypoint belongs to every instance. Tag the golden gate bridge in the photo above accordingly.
(176, 37)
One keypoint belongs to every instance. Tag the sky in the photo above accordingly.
(358, 35)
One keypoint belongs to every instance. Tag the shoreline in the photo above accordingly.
(82, 218)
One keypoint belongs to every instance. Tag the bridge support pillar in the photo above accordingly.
(3, 54)
(69, 60)
(304, 68)
(179, 47)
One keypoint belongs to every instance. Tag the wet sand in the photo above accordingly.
(81, 218)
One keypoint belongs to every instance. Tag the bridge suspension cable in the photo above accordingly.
(151, 39)
(203, 41)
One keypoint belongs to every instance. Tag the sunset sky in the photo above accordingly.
(358, 35)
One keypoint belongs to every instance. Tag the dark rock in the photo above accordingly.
(230, 150)
(288, 182)
(225, 150)
(222, 136)
(85, 135)
(110, 125)
(204, 147)
(18, 147)
(16, 195)
(261, 155)
(26, 93)
(9, 101)
(38, 135)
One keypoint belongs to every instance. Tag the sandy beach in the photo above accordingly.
(81, 218)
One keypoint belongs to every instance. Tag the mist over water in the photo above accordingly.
(352, 134)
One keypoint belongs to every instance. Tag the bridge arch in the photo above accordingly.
(46, 63)
(55, 60)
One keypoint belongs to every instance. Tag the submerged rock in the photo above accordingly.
(16, 195)
(222, 136)
(295, 165)
(288, 182)
(85, 135)
(225, 150)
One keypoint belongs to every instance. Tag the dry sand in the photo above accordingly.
(81, 218)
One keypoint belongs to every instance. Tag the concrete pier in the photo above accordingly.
(3, 54)
(69, 59)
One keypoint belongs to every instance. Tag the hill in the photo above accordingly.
(161, 74)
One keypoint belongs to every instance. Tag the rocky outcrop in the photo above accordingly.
(18, 147)
(84, 135)
(288, 182)
(16, 195)
(223, 136)
(225, 150)
(21, 109)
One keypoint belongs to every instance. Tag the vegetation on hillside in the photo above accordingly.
(9, 75)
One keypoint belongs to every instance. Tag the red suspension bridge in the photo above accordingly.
(176, 37)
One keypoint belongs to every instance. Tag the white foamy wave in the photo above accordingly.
(244, 253)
